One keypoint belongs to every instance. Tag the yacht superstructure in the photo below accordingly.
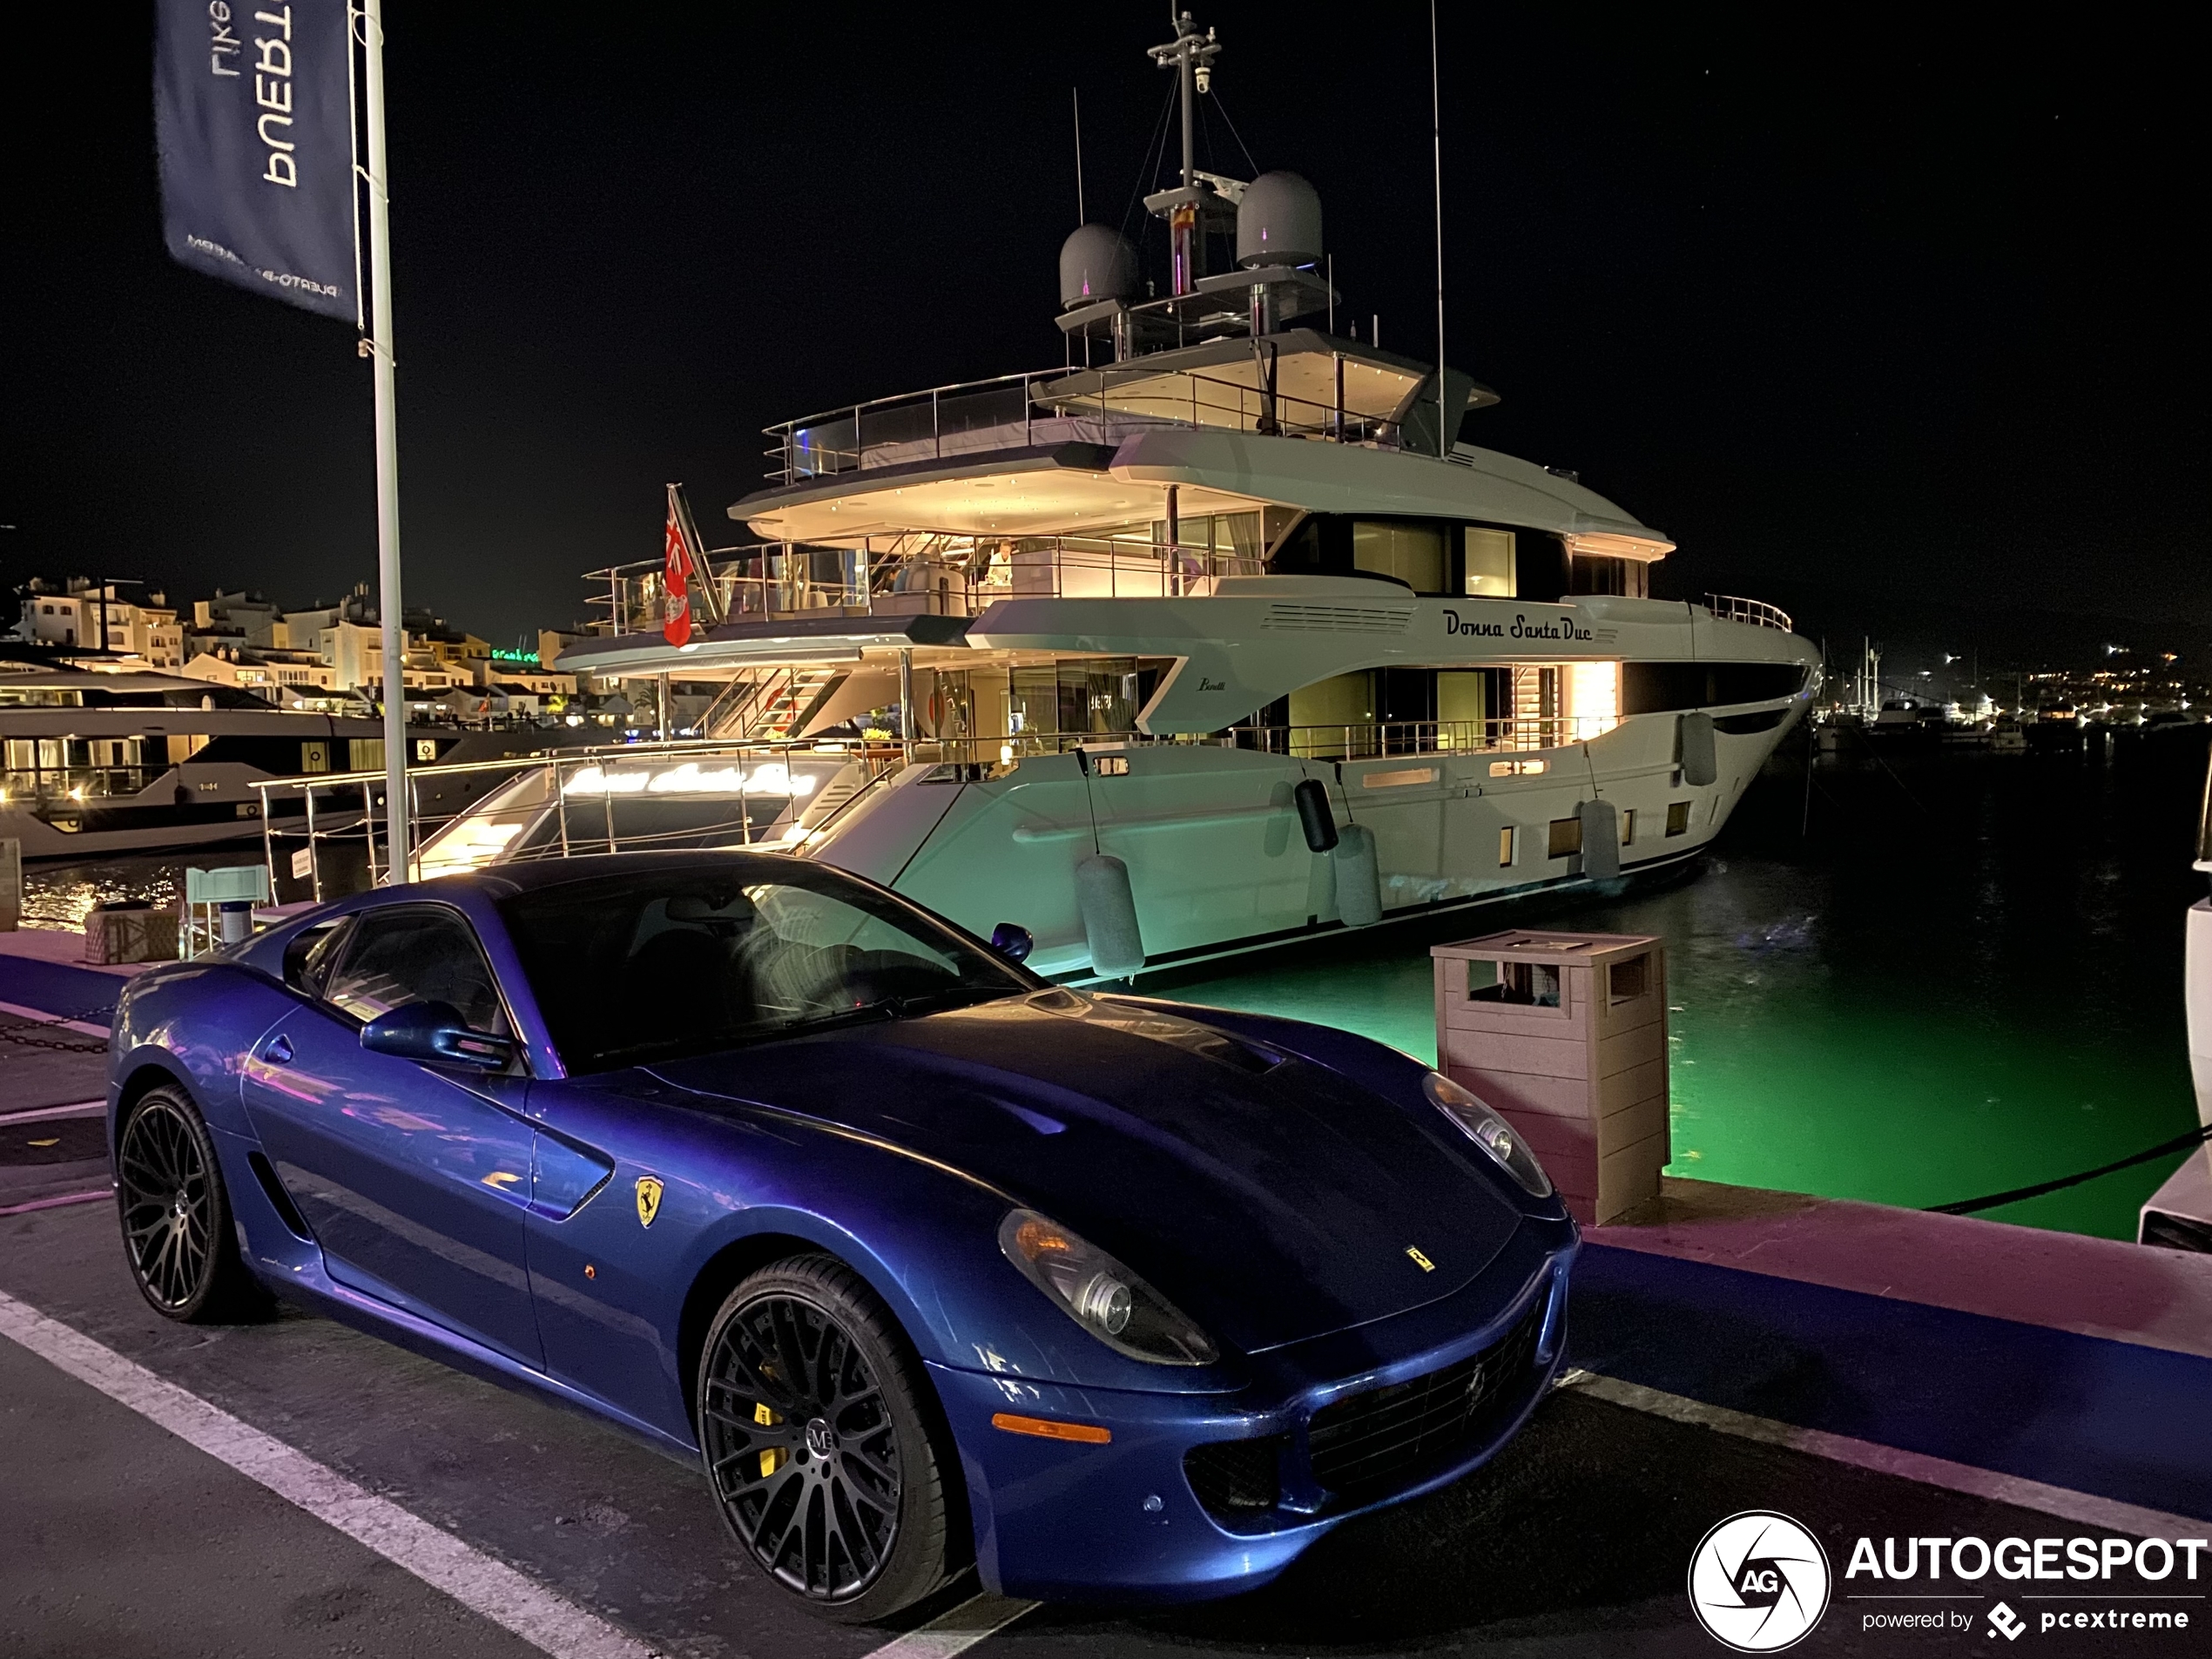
(1217, 635)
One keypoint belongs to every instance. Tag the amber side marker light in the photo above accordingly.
(1045, 1429)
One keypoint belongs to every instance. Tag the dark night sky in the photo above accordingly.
(1874, 314)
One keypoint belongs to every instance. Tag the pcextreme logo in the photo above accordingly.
(1758, 1582)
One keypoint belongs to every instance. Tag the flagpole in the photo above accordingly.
(390, 610)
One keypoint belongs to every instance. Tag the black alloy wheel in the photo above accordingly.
(176, 1216)
(816, 1432)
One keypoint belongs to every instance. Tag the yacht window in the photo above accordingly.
(1591, 574)
(1320, 714)
(1657, 688)
(1628, 827)
(1407, 550)
(1504, 846)
(1467, 701)
(1566, 837)
(1488, 569)
(1677, 818)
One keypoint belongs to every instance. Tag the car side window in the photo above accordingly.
(308, 957)
(415, 954)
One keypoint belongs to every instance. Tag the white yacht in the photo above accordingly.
(1217, 635)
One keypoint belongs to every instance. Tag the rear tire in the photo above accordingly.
(824, 1446)
(178, 1232)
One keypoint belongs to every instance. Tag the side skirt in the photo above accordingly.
(316, 1291)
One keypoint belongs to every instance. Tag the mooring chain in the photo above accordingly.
(76, 1042)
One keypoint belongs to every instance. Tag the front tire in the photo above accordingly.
(177, 1232)
(815, 1426)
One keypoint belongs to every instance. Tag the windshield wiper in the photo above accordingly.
(952, 996)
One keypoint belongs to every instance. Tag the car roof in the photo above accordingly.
(534, 875)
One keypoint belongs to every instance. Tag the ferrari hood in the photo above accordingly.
(1269, 1197)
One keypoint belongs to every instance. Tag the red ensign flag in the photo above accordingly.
(676, 586)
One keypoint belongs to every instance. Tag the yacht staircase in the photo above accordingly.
(771, 703)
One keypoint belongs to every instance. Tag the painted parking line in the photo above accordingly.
(491, 1587)
(65, 1199)
(2084, 1508)
(955, 1631)
(82, 1108)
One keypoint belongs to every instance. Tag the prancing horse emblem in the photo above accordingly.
(647, 1199)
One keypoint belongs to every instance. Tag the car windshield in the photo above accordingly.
(653, 965)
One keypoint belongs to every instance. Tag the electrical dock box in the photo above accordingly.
(1564, 1035)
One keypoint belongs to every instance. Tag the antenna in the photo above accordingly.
(1076, 96)
(1436, 144)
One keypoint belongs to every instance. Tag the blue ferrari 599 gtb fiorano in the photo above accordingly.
(925, 1261)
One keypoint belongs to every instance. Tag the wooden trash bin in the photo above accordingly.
(130, 932)
(1565, 1037)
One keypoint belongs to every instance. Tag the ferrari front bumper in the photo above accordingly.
(1329, 1428)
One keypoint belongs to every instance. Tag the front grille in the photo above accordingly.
(1236, 1477)
(1372, 1444)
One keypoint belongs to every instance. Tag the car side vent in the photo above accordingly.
(1234, 1478)
(280, 1200)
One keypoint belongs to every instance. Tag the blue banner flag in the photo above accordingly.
(253, 114)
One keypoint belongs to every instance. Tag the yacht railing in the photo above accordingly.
(1013, 410)
(556, 804)
(1727, 607)
(1371, 740)
(934, 576)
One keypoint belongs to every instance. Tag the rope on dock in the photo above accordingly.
(1969, 1206)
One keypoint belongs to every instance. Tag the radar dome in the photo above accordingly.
(1095, 263)
(1279, 222)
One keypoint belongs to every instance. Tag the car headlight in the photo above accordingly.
(1100, 1294)
(1490, 1132)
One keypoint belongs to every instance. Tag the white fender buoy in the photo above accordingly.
(1359, 880)
(1700, 760)
(1600, 839)
(1109, 910)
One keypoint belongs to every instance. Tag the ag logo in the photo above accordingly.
(647, 1199)
(1758, 1582)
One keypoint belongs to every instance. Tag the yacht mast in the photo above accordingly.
(1190, 55)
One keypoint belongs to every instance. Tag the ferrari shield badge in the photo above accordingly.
(1420, 1260)
(647, 1199)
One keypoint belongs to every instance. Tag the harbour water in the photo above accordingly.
(1955, 975)
(1962, 978)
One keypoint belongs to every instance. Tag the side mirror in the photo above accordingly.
(1012, 940)
(433, 1034)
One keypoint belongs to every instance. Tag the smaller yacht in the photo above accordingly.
(98, 757)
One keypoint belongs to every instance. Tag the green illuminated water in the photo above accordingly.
(1965, 978)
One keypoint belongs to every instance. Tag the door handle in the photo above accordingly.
(278, 1052)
